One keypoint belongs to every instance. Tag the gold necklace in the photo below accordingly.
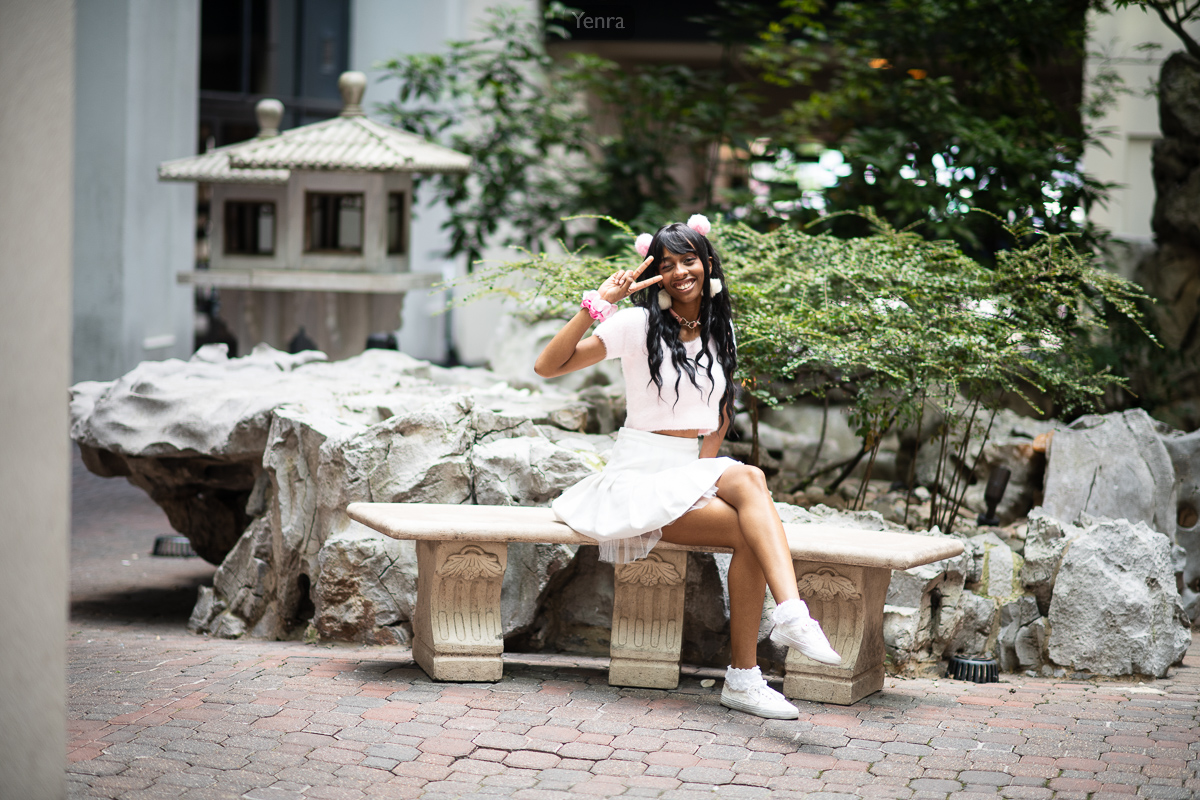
(691, 326)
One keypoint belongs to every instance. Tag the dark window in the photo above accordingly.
(334, 223)
(323, 28)
(249, 228)
(395, 224)
(234, 46)
(293, 50)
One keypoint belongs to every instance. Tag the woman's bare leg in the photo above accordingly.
(761, 555)
(745, 488)
(716, 525)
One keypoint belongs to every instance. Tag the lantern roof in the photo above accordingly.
(349, 142)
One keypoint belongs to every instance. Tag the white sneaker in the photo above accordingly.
(806, 636)
(760, 700)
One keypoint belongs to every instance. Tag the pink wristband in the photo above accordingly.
(597, 306)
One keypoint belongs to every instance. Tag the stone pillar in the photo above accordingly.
(457, 632)
(37, 60)
(848, 602)
(647, 621)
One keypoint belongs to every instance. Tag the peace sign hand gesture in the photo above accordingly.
(623, 282)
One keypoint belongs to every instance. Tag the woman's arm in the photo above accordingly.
(565, 352)
(713, 441)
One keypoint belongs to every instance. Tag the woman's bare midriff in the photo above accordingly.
(692, 434)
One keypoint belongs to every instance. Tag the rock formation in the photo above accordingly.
(1184, 449)
(1113, 466)
(269, 449)
(1115, 609)
(255, 459)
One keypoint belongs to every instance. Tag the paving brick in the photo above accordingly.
(934, 785)
(584, 750)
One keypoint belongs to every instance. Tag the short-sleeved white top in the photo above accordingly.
(624, 337)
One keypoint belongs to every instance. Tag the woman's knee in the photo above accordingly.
(744, 481)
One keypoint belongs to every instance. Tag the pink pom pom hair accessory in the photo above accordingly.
(642, 244)
(700, 224)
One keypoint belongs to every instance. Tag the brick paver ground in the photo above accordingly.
(155, 712)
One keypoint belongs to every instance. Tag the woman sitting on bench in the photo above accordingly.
(678, 357)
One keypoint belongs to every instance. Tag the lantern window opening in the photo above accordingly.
(249, 228)
(333, 222)
(396, 224)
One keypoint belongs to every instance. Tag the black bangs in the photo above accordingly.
(677, 238)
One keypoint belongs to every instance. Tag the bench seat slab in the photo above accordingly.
(848, 602)
(647, 621)
(457, 632)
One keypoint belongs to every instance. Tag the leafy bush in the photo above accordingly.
(897, 322)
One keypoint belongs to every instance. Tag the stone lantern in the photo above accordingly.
(310, 227)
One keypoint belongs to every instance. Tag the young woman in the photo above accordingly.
(678, 356)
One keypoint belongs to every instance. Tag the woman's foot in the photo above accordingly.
(795, 628)
(746, 690)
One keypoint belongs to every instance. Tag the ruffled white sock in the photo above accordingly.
(790, 611)
(741, 680)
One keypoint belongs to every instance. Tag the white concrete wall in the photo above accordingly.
(36, 101)
(136, 106)
(1133, 118)
(384, 29)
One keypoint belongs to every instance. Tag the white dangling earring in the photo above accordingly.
(714, 286)
(664, 299)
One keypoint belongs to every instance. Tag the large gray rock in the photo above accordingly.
(362, 584)
(192, 433)
(1046, 539)
(903, 635)
(532, 568)
(1184, 450)
(978, 626)
(924, 614)
(577, 616)
(256, 459)
(995, 569)
(1017, 645)
(1016, 446)
(1113, 466)
(366, 589)
(524, 471)
(1115, 608)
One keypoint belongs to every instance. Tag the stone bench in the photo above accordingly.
(462, 550)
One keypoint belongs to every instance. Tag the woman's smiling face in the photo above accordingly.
(683, 275)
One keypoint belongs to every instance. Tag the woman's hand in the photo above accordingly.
(565, 352)
(623, 282)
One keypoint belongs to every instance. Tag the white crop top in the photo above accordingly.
(624, 337)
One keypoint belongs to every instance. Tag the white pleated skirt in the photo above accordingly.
(650, 481)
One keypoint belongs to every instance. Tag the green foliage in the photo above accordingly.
(555, 138)
(938, 107)
(658, 120)
(495, 99)
(892, 319)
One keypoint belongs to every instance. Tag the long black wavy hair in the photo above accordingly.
(716, 317)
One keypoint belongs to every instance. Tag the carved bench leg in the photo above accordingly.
(647, 621)
(848, 602)
(457, 634)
